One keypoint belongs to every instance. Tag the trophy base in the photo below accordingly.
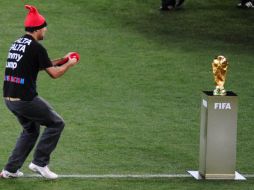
(219, 91)
(198, 176)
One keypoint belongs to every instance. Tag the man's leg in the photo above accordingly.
(54, 125)
(24, 144)
(40, 113)
(244, 2)
(48, 140)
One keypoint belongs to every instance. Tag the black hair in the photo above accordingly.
(32, 29)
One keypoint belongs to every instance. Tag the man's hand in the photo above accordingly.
(72, 61)
(65, 59)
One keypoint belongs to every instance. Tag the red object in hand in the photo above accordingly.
(74, 55)
(71, 56)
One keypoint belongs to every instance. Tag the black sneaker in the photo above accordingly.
(247, 5)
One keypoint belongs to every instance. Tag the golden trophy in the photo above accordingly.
(220, 66)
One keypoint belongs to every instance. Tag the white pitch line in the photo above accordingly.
(248, 175)
(115, 176)
(123, 176)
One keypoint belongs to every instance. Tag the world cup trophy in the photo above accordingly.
(219, 66)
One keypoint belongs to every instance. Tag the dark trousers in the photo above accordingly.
(245, 1)
(166, 3)
(31, 115)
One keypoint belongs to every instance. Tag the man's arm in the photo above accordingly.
(58, 71)
(55, 62)
(63, 60)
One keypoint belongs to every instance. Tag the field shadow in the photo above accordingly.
(203, 25)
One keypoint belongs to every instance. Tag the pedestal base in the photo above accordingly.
(197, 176)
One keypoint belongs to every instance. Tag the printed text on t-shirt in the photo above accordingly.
(16, 52)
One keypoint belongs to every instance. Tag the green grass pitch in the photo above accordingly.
(132, 105)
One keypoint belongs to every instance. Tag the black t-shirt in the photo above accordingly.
(25, 59)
